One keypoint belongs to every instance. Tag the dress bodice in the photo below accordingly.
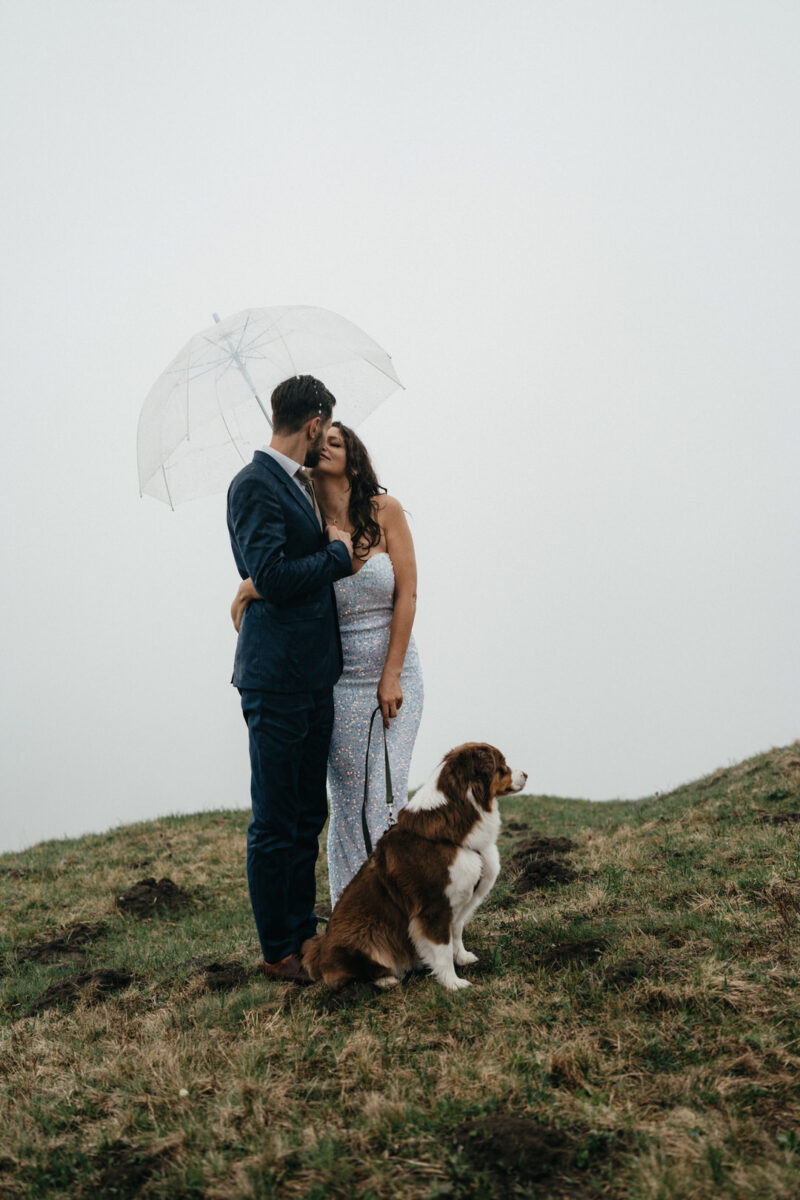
(365, 601)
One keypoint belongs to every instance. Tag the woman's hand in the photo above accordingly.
(390, 695)
(339, 535)
(245, 594)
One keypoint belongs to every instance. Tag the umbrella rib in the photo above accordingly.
(243, 371)
(195, 370)
(276, 325)
(395, 380)
(259, 335)
(242, 332)
(262, 338)
(188, 381)
(166, 485)
(227, 427)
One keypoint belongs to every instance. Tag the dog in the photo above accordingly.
(408, 904)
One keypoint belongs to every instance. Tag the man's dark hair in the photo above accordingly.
(297, 400)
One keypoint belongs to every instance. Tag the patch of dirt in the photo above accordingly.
(564, 953)
(516, 827)
(777, 794)
(539, 871)
(16, 872)
(148, 896)
(624, 972)
(224, 976)
(544, 1160)
(49, 947)
(514, 1146)
(537, 866)
(216, 976)
(539, 844)
(125, 1168)
(93, 985)
(779, 818)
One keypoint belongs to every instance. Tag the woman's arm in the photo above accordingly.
(400, 546)
(245, 594)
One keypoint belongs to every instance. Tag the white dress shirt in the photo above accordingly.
(291, 467)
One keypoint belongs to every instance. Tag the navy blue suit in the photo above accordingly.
(288, 658)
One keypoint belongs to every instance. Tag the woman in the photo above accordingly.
(376, 606)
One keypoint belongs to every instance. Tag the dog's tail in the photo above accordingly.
(310, 952)
(337, 965)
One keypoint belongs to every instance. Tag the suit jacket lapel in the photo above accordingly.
(291, 487)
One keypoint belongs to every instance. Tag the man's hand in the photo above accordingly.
(390, 696)
(339, 535)
(245, 594)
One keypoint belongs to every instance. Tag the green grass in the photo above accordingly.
(635, 1032)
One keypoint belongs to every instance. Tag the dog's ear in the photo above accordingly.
(483, 773)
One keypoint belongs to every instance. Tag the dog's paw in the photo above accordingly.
(386, 982)
(465, 958)
(454, 984)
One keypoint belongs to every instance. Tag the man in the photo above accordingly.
(288, 658)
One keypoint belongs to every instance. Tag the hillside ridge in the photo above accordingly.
(632, 1029)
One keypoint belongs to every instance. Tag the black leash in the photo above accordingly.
(389, 792)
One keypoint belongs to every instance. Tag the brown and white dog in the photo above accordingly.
(408, 904)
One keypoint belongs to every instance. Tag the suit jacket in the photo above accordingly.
(289, 639)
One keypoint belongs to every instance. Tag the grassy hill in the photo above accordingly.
(633, 1029)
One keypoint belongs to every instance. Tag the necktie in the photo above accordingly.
(305, 479)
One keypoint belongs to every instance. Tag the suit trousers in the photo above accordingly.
(290, 735)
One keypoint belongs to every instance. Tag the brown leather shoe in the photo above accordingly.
(290, 968)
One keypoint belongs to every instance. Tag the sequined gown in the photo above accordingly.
(365, 604)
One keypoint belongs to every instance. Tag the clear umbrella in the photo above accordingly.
(209, 410)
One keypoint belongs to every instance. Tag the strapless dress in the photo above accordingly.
(365, 603)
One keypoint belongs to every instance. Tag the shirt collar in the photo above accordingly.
(289, 465)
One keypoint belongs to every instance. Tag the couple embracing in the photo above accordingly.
(324, 615)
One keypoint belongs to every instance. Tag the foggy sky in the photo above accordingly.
(574, 228)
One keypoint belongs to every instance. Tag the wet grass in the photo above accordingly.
(632, 1030)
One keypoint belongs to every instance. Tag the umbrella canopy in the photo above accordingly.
(209, 410)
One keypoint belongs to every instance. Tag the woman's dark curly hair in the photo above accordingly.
(364, 487)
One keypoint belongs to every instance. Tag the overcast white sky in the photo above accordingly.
(574, 227)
